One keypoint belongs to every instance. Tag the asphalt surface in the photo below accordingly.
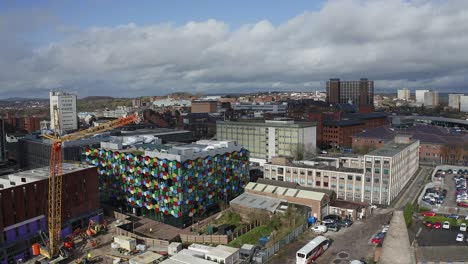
(428, 237)
(347, 244)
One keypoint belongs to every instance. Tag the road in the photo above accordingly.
(347, 244)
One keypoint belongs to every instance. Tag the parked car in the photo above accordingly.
(446, 225)
(333, 227)
(385, 228)
(463, 227)
(429, 213)
(331, 216)
(460, 238)
(328, 221)
(345, 223)
(428, 224)
(437, 225)
(320, 229)
(453, 216)
(378, 238)
(462, 204)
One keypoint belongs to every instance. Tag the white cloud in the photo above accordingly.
(397, 43)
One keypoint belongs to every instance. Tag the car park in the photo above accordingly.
(437, 225)
(460, 237)
(319, 229)
(429, 213)
(463, 227)
(446, 225)
(377, 239)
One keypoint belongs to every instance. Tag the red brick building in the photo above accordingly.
(336, 129)
(32, 124)
(437, 145)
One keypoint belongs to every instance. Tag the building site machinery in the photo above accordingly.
(52, 248)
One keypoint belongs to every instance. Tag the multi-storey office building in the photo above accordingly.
(171, 184)
(355, 92)
(375, 178)
(66, 105)
(269, 138)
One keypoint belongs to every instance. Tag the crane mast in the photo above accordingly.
(55, 175)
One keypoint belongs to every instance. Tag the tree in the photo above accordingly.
(302, 152)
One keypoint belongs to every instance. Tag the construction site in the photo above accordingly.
(54, 214)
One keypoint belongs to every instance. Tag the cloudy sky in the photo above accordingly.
(133, 48)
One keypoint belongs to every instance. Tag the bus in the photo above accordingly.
(312, 250)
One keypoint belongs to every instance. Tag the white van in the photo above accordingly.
(319, 229)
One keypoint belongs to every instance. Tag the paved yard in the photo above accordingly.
(348, 244)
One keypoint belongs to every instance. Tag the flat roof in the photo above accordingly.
(187, 259)
(28, 176)
(390, 149)
(147, 257)
(257, 201)
(222, 252)
(270, 123)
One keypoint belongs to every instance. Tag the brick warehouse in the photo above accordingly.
(173, 185)
(23, 211)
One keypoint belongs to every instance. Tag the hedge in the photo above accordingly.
(443, 219)
(408, 213)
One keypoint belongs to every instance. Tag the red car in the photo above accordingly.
(429, 213)
(437, 225)
(462, 204)
(428, 224)
(378, 238)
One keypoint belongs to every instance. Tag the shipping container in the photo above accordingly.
(126, 242)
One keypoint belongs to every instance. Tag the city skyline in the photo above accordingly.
(98, 48)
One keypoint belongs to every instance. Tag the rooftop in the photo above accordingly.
(257, 201)
(291, 192)
(222, 252)
(389, 149)
(294, 186)
(269, 123)
(25, 177)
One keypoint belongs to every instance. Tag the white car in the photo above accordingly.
(446, 225)
(463, 227)
(320, 229)
(466, 217)
(385, 228)
(460, 237)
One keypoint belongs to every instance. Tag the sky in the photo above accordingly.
(138, 48)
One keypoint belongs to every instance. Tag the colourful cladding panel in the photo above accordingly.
(169, 187)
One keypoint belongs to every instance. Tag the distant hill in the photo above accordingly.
(97, 98)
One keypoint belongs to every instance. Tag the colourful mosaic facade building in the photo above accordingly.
(174, 191)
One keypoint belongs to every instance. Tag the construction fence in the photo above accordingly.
(265, 255)
(219, 239)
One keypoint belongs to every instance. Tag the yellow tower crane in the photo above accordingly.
(52, 250)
